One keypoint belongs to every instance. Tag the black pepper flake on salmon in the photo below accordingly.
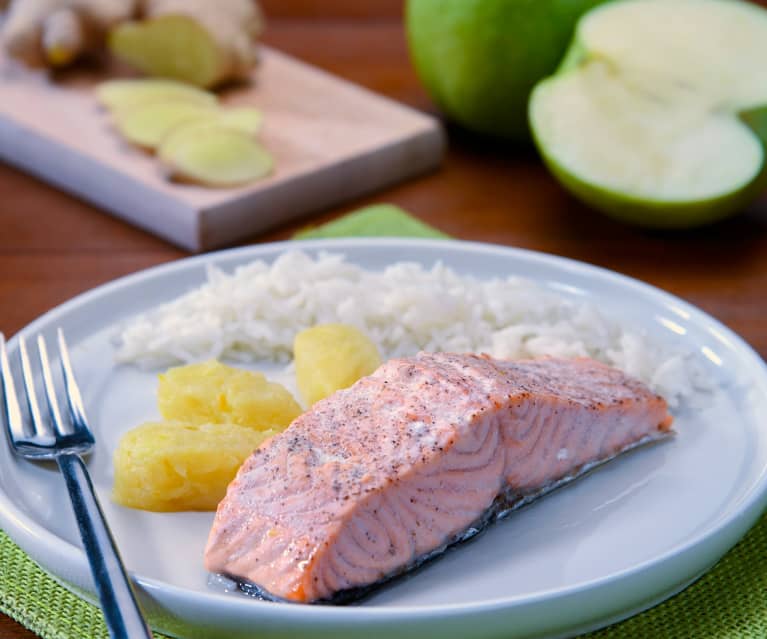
(418, 456)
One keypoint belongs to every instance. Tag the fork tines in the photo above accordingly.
(39, 431)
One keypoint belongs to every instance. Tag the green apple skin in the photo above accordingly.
(656, 214)
(479, 59)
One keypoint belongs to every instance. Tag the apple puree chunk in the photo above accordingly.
(213, 392)
(173, 466)
(329, 357)
(215, 416)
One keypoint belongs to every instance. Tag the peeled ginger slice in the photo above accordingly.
(215, 155)
(131, 93)
(148, 124)
(244, 119)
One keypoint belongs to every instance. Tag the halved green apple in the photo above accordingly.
(658, 113)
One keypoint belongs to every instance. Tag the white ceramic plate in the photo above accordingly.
(603, 548)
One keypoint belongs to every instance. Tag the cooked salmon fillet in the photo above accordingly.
(420, 454)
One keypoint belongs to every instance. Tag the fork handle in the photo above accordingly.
(118, 602)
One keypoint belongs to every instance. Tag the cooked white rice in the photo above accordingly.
(255, 312)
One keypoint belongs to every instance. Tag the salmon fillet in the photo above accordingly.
(423, 453)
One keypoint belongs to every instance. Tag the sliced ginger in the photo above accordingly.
(215, 155)
(198, 140)
(244, 119)
(123, 94)
(147, 124)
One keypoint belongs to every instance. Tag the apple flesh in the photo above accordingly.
(658, 112)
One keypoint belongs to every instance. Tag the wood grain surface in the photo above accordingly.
(53, 246)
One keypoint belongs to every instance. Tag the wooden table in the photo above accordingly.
(53, 246)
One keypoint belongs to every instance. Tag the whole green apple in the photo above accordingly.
(658, 112)
(479, 59)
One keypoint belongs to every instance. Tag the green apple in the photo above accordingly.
(658, 113)
(479, 59)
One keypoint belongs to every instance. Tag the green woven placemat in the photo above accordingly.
(37, 601)
(729, 602)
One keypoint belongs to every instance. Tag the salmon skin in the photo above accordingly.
(423, 453)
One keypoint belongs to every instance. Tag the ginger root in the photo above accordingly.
(56, 32)
(201, 42)
(196, 41)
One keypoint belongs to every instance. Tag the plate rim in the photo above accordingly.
(20, 527)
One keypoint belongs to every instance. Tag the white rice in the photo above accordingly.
(255, 312)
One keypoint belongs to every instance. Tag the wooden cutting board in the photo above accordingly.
(331, 140)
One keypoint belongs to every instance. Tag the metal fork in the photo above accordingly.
(65, 441)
